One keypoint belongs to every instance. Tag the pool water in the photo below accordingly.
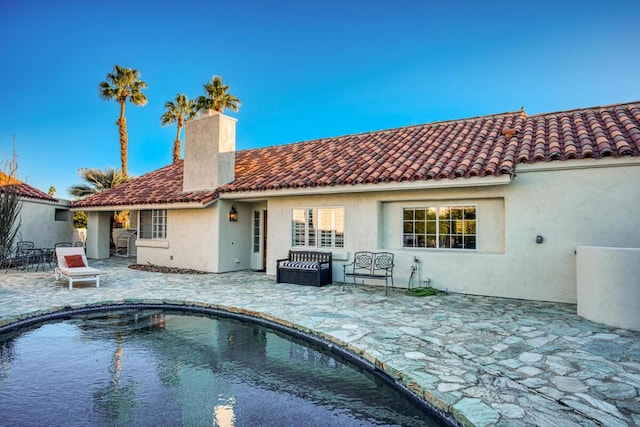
(159, 367)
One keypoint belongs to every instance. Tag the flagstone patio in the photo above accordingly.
(487, 361)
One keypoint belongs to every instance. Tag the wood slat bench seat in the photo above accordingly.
(305, 268)
(370, 265)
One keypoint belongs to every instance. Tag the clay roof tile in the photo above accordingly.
(477, 146)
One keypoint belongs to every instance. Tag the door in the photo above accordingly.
(264, 240)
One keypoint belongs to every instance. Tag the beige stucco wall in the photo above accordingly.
(608, 285)
(567, 207)
(201, 239)
(39, 224)
(190, 243)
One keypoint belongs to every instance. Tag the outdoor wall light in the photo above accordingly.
(233, 214)
(539, 239)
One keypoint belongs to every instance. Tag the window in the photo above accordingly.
(442, 227)
(318, 228)
(62, 215)
(256, 231)
(153, 224)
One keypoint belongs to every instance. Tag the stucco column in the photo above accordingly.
(98, 224)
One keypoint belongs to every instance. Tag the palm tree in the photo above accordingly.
(122, 84)
(183, 109)
(97, 180)
(217, 97)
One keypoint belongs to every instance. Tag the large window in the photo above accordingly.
(318, 228)
(442, 227)
(153, 224)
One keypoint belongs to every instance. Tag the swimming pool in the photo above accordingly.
(157, 366)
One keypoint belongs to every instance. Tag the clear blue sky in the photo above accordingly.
(302, 69)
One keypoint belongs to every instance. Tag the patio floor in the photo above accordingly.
(488, 361)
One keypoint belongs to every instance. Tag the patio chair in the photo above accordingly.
(9, 258)
(73, 266)
(26, 253)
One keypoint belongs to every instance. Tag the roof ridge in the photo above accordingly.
(393, 129)
(596, 107)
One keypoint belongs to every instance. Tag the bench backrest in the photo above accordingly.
(373, 261)
(320, 257)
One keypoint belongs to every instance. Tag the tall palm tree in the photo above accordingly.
(122, 84)
(217, 97)
(183, 109)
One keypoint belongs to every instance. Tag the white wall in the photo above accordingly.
(594, 206)
(191, 241)
(609, 285)
(202, 239)
(39, 224)
(235, 249)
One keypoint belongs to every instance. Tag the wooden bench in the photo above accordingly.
(305, 268)
(370, 265)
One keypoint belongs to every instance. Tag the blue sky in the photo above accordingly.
(303, 70)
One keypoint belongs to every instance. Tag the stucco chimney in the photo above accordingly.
(209, 152)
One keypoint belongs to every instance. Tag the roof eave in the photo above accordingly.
(145, 206)
(361, 188)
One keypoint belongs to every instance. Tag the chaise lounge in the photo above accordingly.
(73, 266)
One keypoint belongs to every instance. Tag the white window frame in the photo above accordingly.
(158, 224)
(318, 228)
(438, 234)
(256, 225)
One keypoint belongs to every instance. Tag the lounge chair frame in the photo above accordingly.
(75, 274)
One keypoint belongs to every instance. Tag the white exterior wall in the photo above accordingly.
(39, 224)
(567, 207)
(201, 239)
(609, 285)
(191, 241)
(235, 237)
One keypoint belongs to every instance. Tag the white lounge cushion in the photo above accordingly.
(79, 271)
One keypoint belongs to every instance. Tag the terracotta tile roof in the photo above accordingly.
(161, 186)
(25, 190)
(476, 147)
(482, 146)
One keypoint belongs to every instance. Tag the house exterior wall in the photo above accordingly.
(201, 239)
(191, 241)
(586, 204)
(40, 225)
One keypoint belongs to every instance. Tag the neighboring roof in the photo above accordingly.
(476, 147)
(25, 190)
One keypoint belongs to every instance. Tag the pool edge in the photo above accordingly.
(412, 390)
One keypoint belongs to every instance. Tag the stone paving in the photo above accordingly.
(486, 361)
